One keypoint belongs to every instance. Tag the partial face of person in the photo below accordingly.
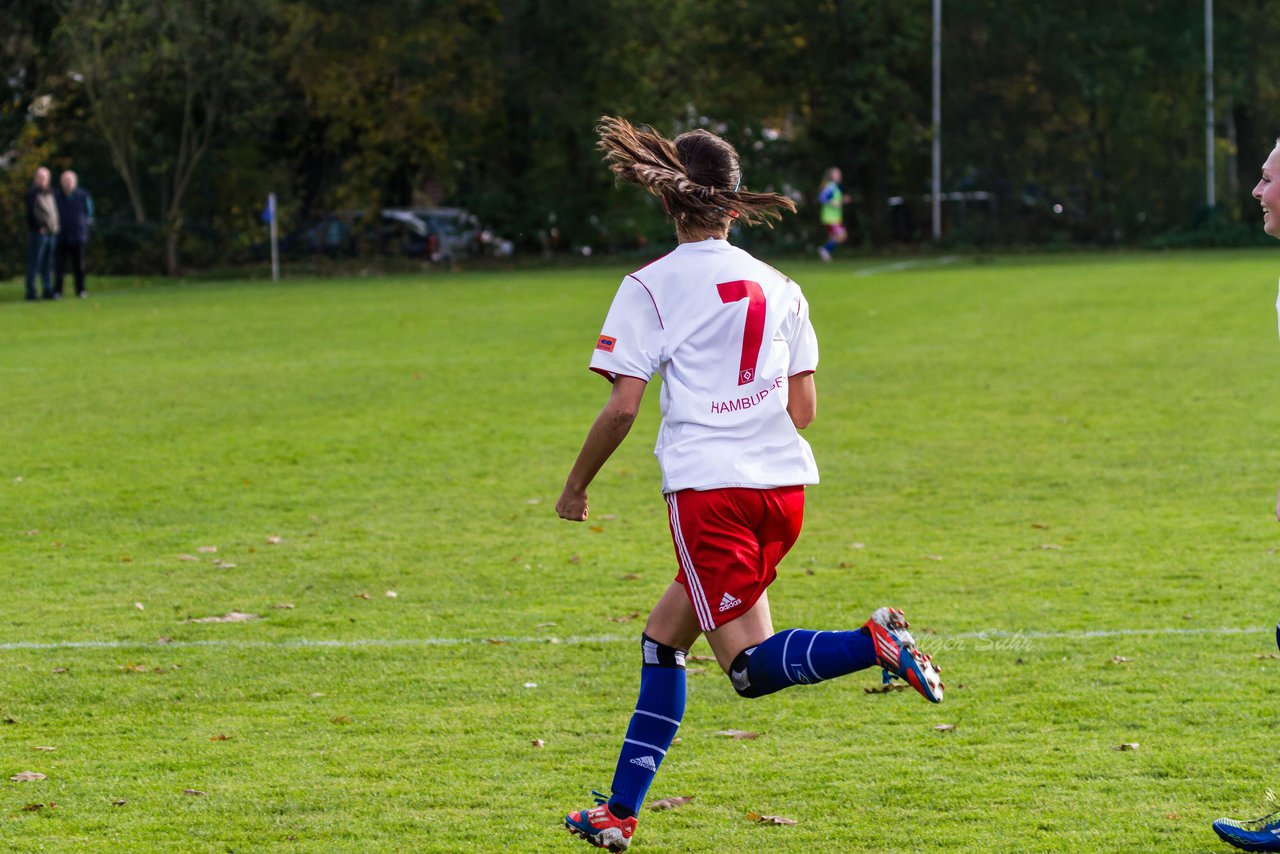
(68, 181)
(42, 178)
(836, 176)
(1267, 192)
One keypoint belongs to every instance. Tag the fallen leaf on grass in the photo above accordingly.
(45, 748)
(188, 557)
(232, 617)
(700, 657)
(222, 736)
(575, 559)
(944, 727)
(1041, 525)
(669, 803)
(119, 802)
(770, 819)
(857, 545)
(361, 596)
(391, 594)
(162, 641)
(1120, 659)
(135, 668)
(599, 529)
(496, 641)
(844, 564)
(886, 689)
(207, 550)
(222, 564)
(32, 807)
(544, 625)
(932, 557)
(1266, 655)
(1053, 547)
(283, 606)
(625, 618)
(537, 742)
(61, 670)
(195, 793)
(1172, 815)
(139, 606)
(1128, 745)
(34, 532)
(676, 740)
(342, 720)
(26, 776)
(737, 734)
(532, 501)
(274, 540)
(631, 576)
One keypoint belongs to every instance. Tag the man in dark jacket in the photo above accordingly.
(75, 213)
(42, 233)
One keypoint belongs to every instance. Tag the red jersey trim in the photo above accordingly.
(661, 325)
(613, 375)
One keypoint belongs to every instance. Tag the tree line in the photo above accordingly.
(1064, 123)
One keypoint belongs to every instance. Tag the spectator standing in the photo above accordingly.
(75, 213)
(832, 199)
(42, 234)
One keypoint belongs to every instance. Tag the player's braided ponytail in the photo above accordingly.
(697, 175)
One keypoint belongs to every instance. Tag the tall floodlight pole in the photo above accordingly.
(1209, 194)
(937, 119)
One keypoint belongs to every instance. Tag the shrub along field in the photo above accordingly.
(1062, 468)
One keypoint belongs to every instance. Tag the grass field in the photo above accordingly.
(1076, 456)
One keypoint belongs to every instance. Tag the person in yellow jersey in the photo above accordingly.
(833, 200)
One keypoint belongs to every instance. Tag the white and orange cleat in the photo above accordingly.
(599, 826)
(897, 653)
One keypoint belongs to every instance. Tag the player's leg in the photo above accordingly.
(671, 629)
(760, 662)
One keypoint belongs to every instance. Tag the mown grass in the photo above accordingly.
(1052, 446)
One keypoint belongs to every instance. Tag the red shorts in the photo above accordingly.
(729, 543)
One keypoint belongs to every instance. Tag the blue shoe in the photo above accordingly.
(1259, 834)
(599, 826)
(897, 653)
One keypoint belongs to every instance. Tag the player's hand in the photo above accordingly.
(573, 505)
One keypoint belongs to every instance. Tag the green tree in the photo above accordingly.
(163, 80)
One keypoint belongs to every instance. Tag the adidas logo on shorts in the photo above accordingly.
(645, 762)
(729, 601)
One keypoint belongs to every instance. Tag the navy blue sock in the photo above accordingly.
(800, 657)
(659, 710)
(830, 245)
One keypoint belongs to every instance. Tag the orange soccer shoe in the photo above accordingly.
(599, 826)
(897, 653)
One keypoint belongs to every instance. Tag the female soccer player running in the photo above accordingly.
(1261, 834)
(731, 338)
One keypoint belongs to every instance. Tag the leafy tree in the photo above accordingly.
(163, 79)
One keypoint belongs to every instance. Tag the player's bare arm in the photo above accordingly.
(802, 400)
(606, 434)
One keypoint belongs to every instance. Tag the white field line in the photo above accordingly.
(898, 266)
(991, 634)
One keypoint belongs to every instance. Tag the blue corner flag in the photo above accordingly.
(269, 212)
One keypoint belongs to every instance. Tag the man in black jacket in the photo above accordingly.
(75, 213)
(42, 233)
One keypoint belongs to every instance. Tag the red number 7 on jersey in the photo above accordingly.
(753, 333)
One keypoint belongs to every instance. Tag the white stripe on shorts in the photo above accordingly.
(700, 605)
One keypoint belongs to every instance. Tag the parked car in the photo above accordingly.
(453, 233)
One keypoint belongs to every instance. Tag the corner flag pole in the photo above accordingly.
(937, 119)
(275, 242)
(1210, 195)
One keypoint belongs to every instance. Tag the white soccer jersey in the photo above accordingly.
(724, 331)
